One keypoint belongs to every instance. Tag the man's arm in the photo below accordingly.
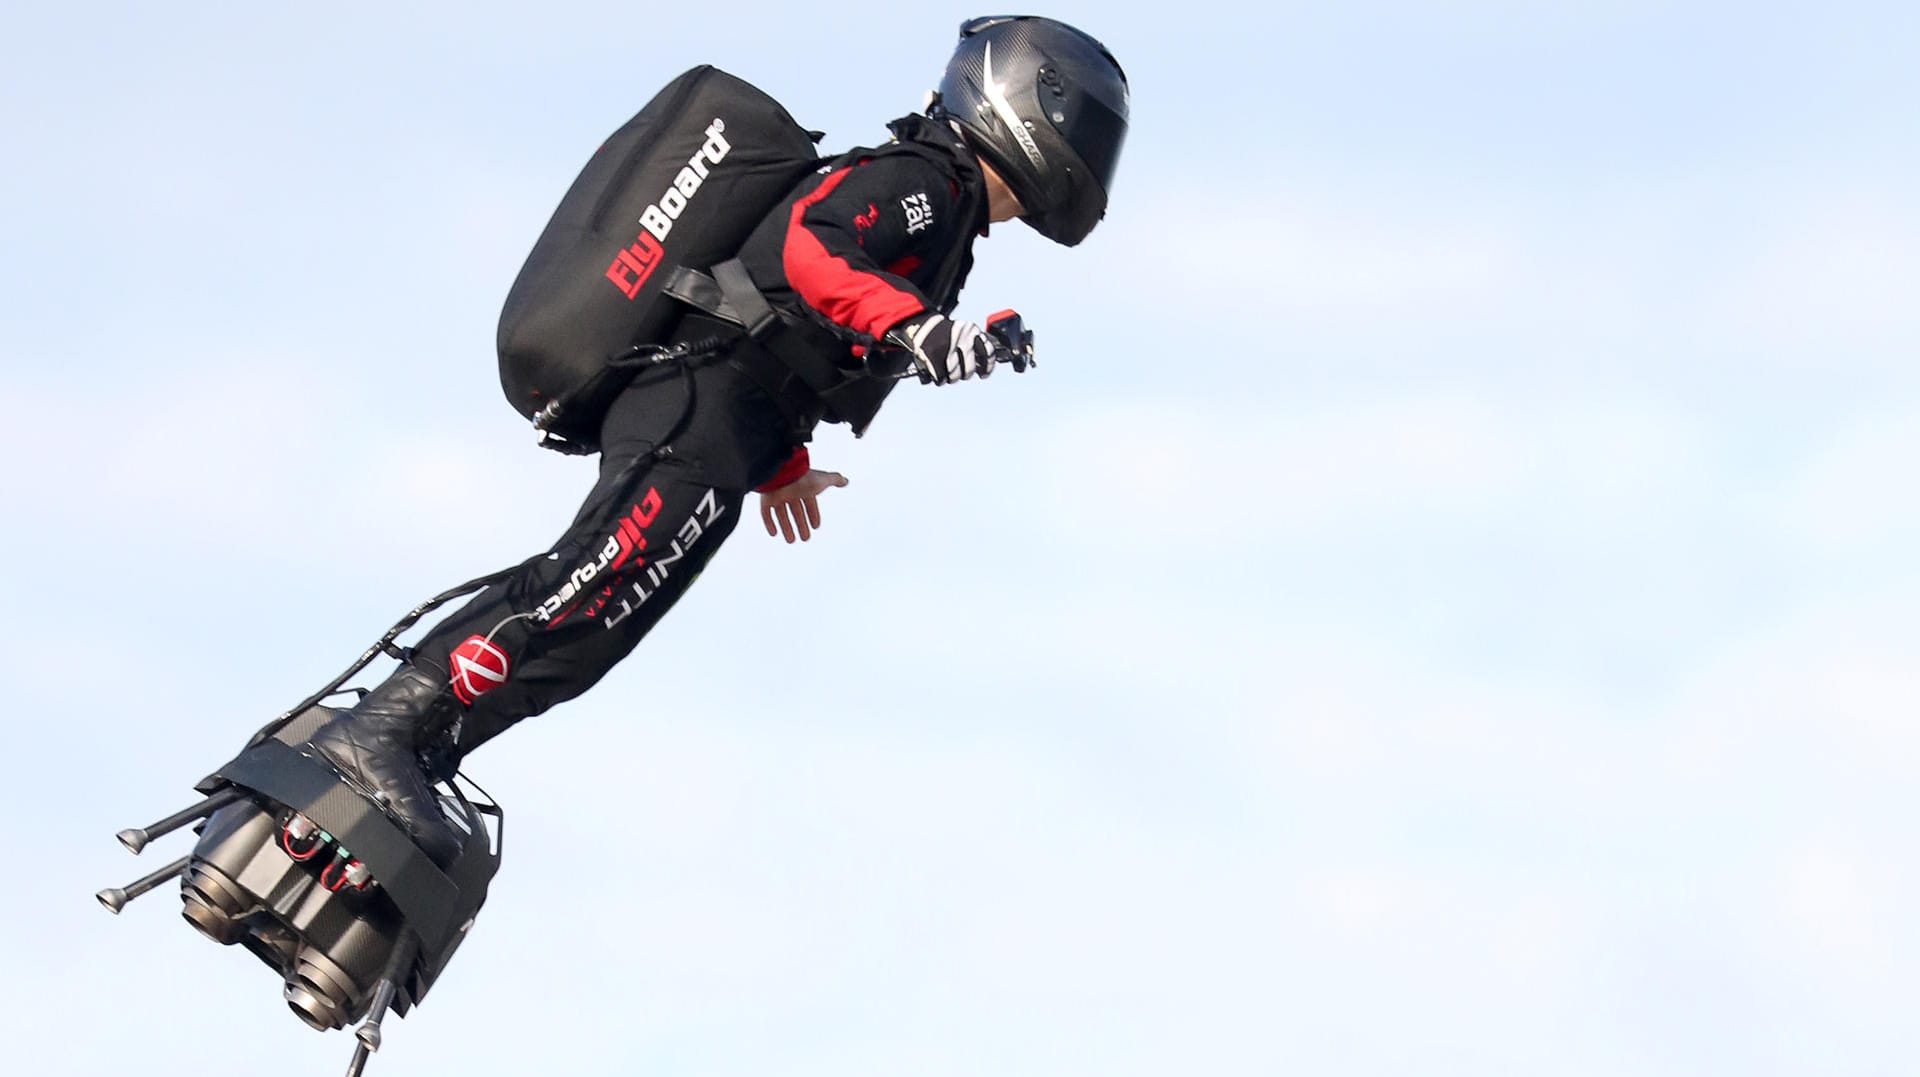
(851, 241)
(848, 246)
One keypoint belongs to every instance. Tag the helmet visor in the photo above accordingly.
(1096, 133)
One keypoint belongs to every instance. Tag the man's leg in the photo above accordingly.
(578, 616)
(560, 623)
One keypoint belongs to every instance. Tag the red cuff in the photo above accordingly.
(797, 465)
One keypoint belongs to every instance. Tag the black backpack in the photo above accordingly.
(683, 183)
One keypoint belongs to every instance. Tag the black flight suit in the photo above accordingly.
(876, 236)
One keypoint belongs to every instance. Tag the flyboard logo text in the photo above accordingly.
(620, 573)
(632, 266)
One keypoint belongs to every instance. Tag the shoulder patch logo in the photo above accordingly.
(919, 211)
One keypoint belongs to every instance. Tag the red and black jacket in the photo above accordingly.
(876, 236)
(879, 234)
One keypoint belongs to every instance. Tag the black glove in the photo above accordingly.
(945, 350)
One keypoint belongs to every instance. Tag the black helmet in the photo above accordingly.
(1046, 105)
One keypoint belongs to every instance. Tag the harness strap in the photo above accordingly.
(790, 359)
(788, 355)
(737, 290)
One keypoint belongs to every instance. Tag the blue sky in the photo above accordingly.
(1442, 606)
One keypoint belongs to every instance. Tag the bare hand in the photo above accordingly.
(796, 505)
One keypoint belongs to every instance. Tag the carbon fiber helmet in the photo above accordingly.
(1046, 106)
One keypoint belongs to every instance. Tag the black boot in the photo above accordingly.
(378, 744)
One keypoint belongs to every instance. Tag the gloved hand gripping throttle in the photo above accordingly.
(944, 350)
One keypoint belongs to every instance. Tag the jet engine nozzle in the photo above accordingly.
(319, 992)
(214, 904)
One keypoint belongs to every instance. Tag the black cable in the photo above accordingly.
(382, 645)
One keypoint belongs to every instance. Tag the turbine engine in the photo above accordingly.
(312, 877)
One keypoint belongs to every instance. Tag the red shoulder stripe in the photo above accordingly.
(830, 284)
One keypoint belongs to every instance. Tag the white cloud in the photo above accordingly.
(1856, 495)
(1827, 893)
(1334, 256)
(1656, 277)
(1250, 474)
(1832, 279)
